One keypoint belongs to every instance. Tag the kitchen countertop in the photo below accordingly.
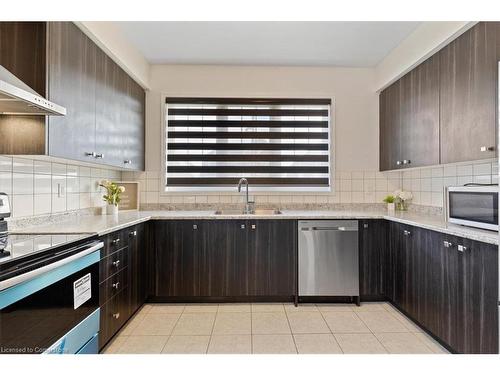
(103, 224)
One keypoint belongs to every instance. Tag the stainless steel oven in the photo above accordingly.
(474, 206)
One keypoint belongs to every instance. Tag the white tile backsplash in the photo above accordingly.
(32, 185)
(434, 180)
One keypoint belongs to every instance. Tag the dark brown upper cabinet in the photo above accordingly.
(72, 84)
(409, 119)
(468, 94)
(419, 134)
(445, 109)
(390, 126)
(105, 121)
(23, 53)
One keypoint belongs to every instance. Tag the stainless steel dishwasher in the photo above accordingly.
(328, 258)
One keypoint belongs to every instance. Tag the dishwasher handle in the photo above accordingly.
(333, 229)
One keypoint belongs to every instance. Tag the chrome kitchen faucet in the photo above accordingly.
(249, 206)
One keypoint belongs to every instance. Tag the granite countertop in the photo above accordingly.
(103, 224)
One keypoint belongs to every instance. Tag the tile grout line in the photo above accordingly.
(172, 331)
(291, 331)
(331, 332)
(251, 329)
(213, 327)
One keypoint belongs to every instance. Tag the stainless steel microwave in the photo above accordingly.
(473, 206)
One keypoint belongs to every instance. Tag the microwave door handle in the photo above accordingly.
(49, 267)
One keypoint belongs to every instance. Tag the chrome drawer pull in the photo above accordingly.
(254, 226)
(447, 244)
(195, 226)
(116, 315)
(242, 226)
(406, 232)
(116, 285)
(461, 248)
(133, 233)
(116, 263)
(116, 240)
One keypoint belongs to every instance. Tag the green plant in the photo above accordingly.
(113, 192)
(389, 199)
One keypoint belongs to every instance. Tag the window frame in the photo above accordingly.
(255, 190)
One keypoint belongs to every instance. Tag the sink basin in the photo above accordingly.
(258, 211)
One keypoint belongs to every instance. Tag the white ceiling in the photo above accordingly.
(356, 44)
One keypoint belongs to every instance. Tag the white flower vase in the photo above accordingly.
(112, 209)
(391, 207)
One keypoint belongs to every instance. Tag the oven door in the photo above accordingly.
(40, 313)
(473, 208)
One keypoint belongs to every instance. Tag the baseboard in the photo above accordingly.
(242, 299)
(441, 342)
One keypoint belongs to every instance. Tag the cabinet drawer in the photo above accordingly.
(115, 241)
(113, 263)
(114, 314)
(113, 285)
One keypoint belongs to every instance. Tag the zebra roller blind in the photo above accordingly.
(275, 143)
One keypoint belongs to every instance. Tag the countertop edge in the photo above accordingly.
(455, 231)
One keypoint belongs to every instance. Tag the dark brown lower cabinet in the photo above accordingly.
(448, 284)
(123, 277)
(373, 259)
(222, 259)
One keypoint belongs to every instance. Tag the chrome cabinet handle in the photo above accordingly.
(447, 244)
(116, 285)
(398, 162)
(115, 241)
(99, 156)
(461, 248)
(127, 161)
(365, 226)
(487, 148)
(116, 315)
(90, 154)
(254, 226)
(406, 162)
(195, 227)
(116, 263)
(133, 233)
(242, 226)
(406, 232)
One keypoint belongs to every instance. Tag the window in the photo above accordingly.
(277, 144)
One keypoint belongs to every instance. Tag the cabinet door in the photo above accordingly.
(428, 273)
(419, 137)
(109, 132)
(272, 254)
(214, 258)
(72, 84)
(137, 265)
(390, 124)
(468, 93)
(373, 258)
(449, 292)
(478, 298)
(238, 254)
(132, 127)
(178, 246)
(23, 52)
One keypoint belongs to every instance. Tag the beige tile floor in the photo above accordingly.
(271, 329)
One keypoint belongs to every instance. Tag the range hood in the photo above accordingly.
(17, 98)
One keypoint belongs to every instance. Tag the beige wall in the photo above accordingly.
(355, 121)
(427, 39)
(110, 38)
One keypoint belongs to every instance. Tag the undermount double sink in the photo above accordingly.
(258, 211)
